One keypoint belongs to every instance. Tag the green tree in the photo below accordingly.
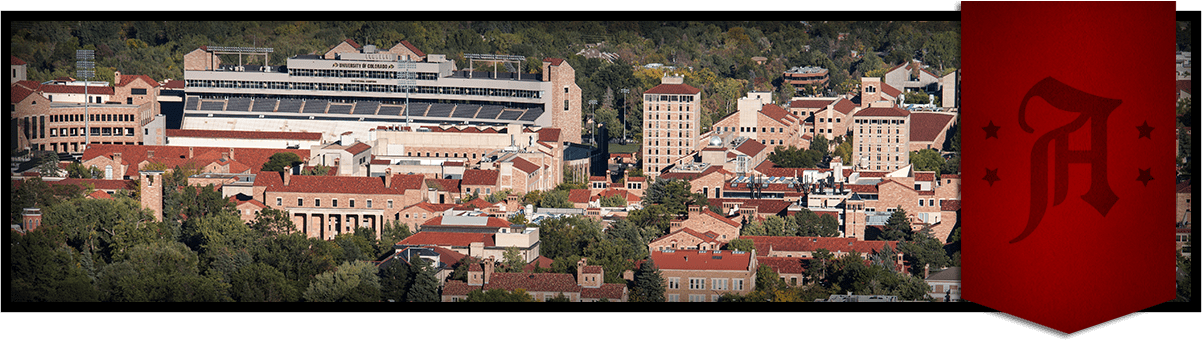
(396, 277)
(272, 221)
(821, 145)
(159, 271)
(741, 245)
(350, 282)
(556, 199)
(648, 283)
(278, 161)
(260, 282)
(820, 266)
(927, 160)
(924, 251)
(767, 280)
(47, 164)
(104, 228)
(35, 193)
(41, 269)
(616, 200)
(512, 260)
(76, 170)
(425, 283)
(897, 227)
(792, 157)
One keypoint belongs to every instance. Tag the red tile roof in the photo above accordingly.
(682, 89)
(763, 206)
(352, 43)
(609, 192)
(832, 244)
(99, 194)
(883, 112)
(810, 103)
(579, 195)
(13, 60)
(548, 134)
(890, 90)
(611, 291)
(339, 184)
(430, 207)
(927, 126)
(174, 84)
(689, 176)
(720, 217)
(705, 238)
(459, 239)
(236, 134)
(524, 166)
(480, 177)
(415, 50)
(127, 79)
(777, 113)
(357, 148)
(1184, 187)
(591, 269)
(845, 106)
(447, 185)
(177, 155)
(924, 176)
(769, 168)
(75, 89)
(477, 203)
(254, 202)
(950, 205)
(784, 265)
(751, 147)
(540, 262)
(1185, 85)
(554, 61)
(490, 222)
(694, 260)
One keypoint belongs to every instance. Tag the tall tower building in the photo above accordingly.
(671, 124)
(882, 138)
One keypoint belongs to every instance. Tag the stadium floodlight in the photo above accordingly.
(85, 68)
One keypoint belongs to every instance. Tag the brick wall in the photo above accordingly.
(562, 77)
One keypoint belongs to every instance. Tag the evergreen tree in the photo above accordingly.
(648, 283)
(425, 284)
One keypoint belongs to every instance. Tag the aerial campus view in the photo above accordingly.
(351, 161)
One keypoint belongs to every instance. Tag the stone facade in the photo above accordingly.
(882, 138)
(703, 276)
(671, 124)
(705, 221)
(201, 60)
(566, 104)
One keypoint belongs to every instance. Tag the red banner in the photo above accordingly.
(1068, 165)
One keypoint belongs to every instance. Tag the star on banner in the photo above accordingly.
(991, 176)
(1145, 175)
(991, 130)
(1145, 131)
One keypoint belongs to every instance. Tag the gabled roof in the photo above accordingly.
(698, 175)
(251, 135)
(99, 184)
(18, 93)
(769, 168)
(548, 134)
(75, 89)
(1184, 187)
(480, 177)
(430, 207)
(777, 113)
(446, 185)
(802, 244)
(704, 237)
(751, 147)
(609, 192)
(845, 106)
(890, 90)
(540, 262)
(680, 89)
(927, 126)
(477, 203)
(13, 60)
(99, 194)
(1185, 85)
(525, 166)
(357, 148)
(533, 282)
(763, 206)
(611, 291)
(553, 61)
(579, 195)
(720, 217)
(459, 239)
(352, 43)
(950, 205)
(178, 155)
(695, 260)
(784, 265)
(924, 176)
(126, 79)
(339, 184)
(410, 46)
(238, 201)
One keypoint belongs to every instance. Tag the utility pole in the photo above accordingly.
(592, 121)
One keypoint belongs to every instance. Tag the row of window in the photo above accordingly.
(679, 107)
(300, 202)
(91, 117)
(669, 117)
(447, 90)
(874, 121)
(825, 120)
(359, 74)
(667, 98)
(419, 154)
(736, 284)
(751, 129)
(96, 131)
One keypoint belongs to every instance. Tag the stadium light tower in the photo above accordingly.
(592, 122)
(85, 68)
(625, 105)
(407, 79)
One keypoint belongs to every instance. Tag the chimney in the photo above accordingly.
(489, 264)
(926, 271)
(149, 153)
(580, 264)
(388, 177)
(116, 77)
(231, 153)
(225, 155)
(117, 158)
(189, 152)
(694, 211)
(287, 175)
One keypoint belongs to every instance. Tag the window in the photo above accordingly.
(565, 105)
(673, 282)
(279, 201)
(718, 284)
(696, 298)
(931, 202)
(300, 201)
(736, 284)
(352, 203)
(674, 298)
(368, 203)
(334, 202)
(696, 283)
(137, 91)
(316, 202)
(920, 201)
